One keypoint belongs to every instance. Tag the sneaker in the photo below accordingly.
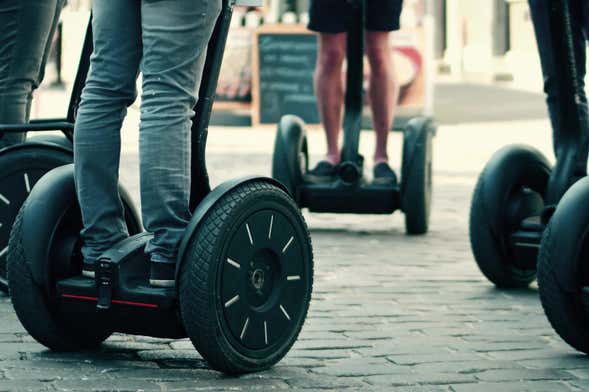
(383, 174)
(323, 170)
(162, 274)
(89, 271)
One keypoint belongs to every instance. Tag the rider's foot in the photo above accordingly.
(162, 274)
(323, 170)
(383, 174)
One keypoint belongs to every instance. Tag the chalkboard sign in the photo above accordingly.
(284, 63)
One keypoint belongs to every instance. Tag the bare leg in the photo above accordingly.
(329, 89)
(384, 89)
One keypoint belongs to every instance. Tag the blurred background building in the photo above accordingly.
(478, 40)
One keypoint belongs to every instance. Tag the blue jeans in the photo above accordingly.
(166, 40)
(26, 30)
(540, 11)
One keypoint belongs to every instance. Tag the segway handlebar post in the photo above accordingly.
(354, 83)
(200, 186)
(571, 130)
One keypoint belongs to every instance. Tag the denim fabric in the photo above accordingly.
(166, 40)
(26, 30)
(540, 11)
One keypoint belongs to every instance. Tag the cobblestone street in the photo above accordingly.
(389, 312)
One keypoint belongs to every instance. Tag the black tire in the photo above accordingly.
(208, 280)
(563, 270)
(291, 157)
(43, 249)
(40, 318)
(509, 189)
(20, 168)
(417, 176)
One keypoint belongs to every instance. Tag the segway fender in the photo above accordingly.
(49, 199)
(45, 205)
(414, 138)
(504, 170)
(53, 140)
(37, 144)
(567, 267)
(208, 202)
(288, 144)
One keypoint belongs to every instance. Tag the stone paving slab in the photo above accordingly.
(389, 312)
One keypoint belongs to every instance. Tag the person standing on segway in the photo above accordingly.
(330, 18)
(579, 11)
(167, 41)
(26, 30)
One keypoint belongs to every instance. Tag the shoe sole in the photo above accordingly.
(162, 283)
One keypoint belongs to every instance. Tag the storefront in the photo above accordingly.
(270, 60)
(489, 40)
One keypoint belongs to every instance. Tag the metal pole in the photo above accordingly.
(570, 132)
(354, 84)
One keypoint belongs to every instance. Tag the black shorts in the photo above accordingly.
(332, 16)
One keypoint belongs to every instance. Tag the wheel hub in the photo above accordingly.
(262, 274)
(263, 280)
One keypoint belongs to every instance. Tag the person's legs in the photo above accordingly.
(540, 12)
(175, 38)
(110, 89)
(330, 18)
(382, 17)
(329, 89)
(26, 28)
(384, 89)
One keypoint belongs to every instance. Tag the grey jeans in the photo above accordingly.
(26, 30)
(166, 40)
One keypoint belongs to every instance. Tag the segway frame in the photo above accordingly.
(349, 192)
(518, 191)
(526, 241)
(251, 220)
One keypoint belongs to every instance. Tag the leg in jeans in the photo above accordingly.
(540, 10)
(26, 29)
(175, 38)
(109, 90)
(329, 89)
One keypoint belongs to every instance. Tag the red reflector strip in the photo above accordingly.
(114, 301)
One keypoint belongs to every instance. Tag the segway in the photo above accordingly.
(244, 275)
(518, 190)
(563, 270)
(350, 192)
(22, 165)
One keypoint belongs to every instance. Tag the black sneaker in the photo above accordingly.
(383, 174)
(324, 170)
(89, 271)
(162, 274)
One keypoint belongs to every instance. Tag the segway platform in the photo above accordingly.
(339, 197)
(121, 293)
(349, 192)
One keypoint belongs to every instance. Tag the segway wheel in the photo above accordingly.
(291, 157)
(563, 271)
(246, 281)
(55, 232)
(20, 168)
(509, 190)
(417, 176)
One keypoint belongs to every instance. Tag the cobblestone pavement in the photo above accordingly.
(389, 312)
